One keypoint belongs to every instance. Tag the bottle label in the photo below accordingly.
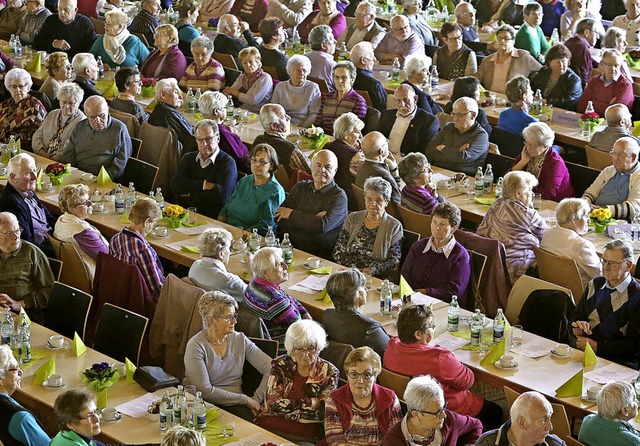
(498, 333)
(288, 257)
(475, 335)
(453, 323)
(201, 421)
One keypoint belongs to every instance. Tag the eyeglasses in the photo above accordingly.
(12, 234)
(229, 318)
(341, 78)
(402, 28)
(311, 350)
(208, 140)
(85, 203)
(619, 154)
(92, 414)
(380, 201)
(458, 37)
(259, 162)
(606, 262)
(438, 412)
(460, 115)
(18, 87)
(366, 376)
(504, 39)
(15, 369)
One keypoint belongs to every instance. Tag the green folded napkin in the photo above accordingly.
(494, 354)
(573, 387)
(124, 219)
(36, 63)
(78, 346)
(405, 288)
(151, 106)
(186, 224)
(322, 270)
(190, 249)
(487, 201)
(293, 262)
(324, 296)
(213, 432)
(590, 357)
(43, 372)
(103, 177)
(131, 369)
(4, 177)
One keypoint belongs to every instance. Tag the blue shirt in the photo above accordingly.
(616, 190)
(514, 121)
(24, 428)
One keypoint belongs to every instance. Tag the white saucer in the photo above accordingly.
(93, 180)
(306, 265)
(160, 236)
(513, 367)
(394, 288)
(567, 356)
(48, 386)
(118, 418)
(51, 347)
(585, 397)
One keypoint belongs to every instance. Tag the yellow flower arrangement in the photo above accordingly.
(174, 215)
(174, 211)
(601, 215)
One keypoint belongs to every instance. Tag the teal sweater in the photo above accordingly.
(595, 430)
(137, 52)
(533, 41)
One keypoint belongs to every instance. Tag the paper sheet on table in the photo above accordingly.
(195, 230)
(612, 372)
(137, 408)
(178, 245)
(311, 284)
(53, 198)
(437, 176)
(423, 299)
(535, 348)
(451, 342)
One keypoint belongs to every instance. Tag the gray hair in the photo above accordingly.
(360, 50)
(415, 63)
(613, 398)
(345, 124)
(508, 28)
(530, 7)
(143, 209)
(268, 115)
(612, 35)
(351, 68)
(420, 391)
(516, 88)
(68, 405)
(181, 436)
(363, 354)
(343, 287)
(616, 113)
(612, 52)
(412, 166)
(163, 86)
(70, 90)
(448, 211)
(470, 104)
(296, 60)
(117, 14)
(265, 260)
(623, 246)
(81, 62)
(379, 186)
(517, 181)
(202, 42)
(211, 101)
(18, 74)
(213, 303)
(224, 22)
(8, 218)
(319, 35)
(213, 241)
(303, 333)
(371, 8)
(539, 133)
(570, 209)
(523, 405)
(6, 355)
(207, 123)
(14, 166)
(629, 143)
(585, 24)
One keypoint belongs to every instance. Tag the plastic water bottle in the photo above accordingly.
(166, 412)
(435, 77)
(555, 38)
(287, 249)
(342, 51)
(12, 45)
(191, 101)
(589, 108)
(479, 182)
(453, 315)
(254, 241)
(178, 402)
(119, 200)
(199, 412)
(498, 327)
(636, 384)
(100, 67)
(132, 196)
(270, 238)
(13, 146)
(6, 333)
(395, 70)
(152, 195)
(18, 47)
(536, 107)
(499, 185)
(230, 109)
(24, 342)
(477, 323)
(197, 96)
(385, 298)
(296, 40)
(160, 198)
(488, 178)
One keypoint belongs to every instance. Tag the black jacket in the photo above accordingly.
(564, 94)
(422, 129)
(365, 81)
(230, 45)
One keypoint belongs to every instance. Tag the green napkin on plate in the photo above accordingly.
(494, 354)
(487, 201)
(43, 372)
(573, 387)
(322, 270)
(190, 249)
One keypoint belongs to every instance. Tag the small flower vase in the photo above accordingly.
(57, 180)
(148, 92)
(102, 398)
(588, 128)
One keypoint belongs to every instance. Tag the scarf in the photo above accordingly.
(54, 142)
(114, 46)
(249, 79)
(321, 19)
(534, 166)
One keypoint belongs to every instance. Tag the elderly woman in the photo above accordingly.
(327, 14)
(565, 240)
(539, 159)
(617, 405)
(188, 16)
(412, 10)
(454, 59)
(512, 220)
(213, 105)
(167, 114)
(265, 297)
(507, 63)
(214, 9)
(10, 17)
(439, 265)
(256, 197)
(273, 36)
(57, 125)
(21, 427)
(299, 96)
(253, 87)
(516, 118)
(361, 411)
(215, 358)
(59, 70)
(347, 131)
(468, 86)
(166, 60)
(345, 323)
(577, 10)
(370, 239)
(410, 354)
(428, 418)
(22, 114)
(299, 385)
(205, 72)
(129, 87)
(418, 194)
(416, 67)
(210, 272)
(130, 244)
(344, 99)
(616, 38)
(252, 12)
(72, 226)
(559, 84)
(118, 47)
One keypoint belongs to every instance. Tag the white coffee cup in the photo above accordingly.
(506, 361)
(161, 231)
(87, 177)
(121, 368)
(592, 392)
(98, 207)
(55, 380)
(562, 349)
(314, 262)
(56, 341)
(109, 413)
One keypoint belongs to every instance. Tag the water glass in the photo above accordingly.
(228, 425)
(192, 219)
(486, 340)
(516, 335)
(190, 392)
(537, 201)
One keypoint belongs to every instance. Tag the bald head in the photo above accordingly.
(465, 14)
(374, 146)
(401, 28)
(617, 115)
(323, 168)
(97, 111)
(229, 25)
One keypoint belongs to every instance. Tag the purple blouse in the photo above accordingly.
(172, 64)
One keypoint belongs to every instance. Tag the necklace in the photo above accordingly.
(216, 342)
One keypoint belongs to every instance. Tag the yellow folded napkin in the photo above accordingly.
(78, 346)
(573, 387)
(484, 200)
(636, 129)
(103, 177)
(322, 270)
(494, 354)
(590, 357)
(125, 219)
(111, 91)
(23, 314)
(197, 116)
(324, 297)
(18, 145)
(43, 372)
(39, 179)
(246, 275)
(190, 249)
(131, 369)
(36, 63)
(293, 262)
(405, 288)
(151, 106)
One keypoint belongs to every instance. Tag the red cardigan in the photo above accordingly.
(456, 430)
(554, 182)
(601, 96)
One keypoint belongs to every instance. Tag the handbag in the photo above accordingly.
(152, 378)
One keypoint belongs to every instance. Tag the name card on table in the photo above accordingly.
(566, 117)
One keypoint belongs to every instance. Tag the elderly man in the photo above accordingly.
(291, 12)
(399, 43)
(228, 40)
(25, 274)
(611, 87)
(618, 186)
(466, 18)
(31, 23)
(98, 141)
(461, 145)
(277, 125)
(323, 45)
(630, 21)
(379, 162)
(19, 198)
(364, 28)
(86, 69)
(409, 128)
(206, 178)
(314, 211)
(608, 315)
(10, 18)
(363, 58)
(66, 31)
(529, 425)
(146, 21)
(580, 46)
(619, 123)
(166, 114)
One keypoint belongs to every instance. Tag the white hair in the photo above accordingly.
(305, 333)
(613, 398)
(470, 104)
(18, 74)
(296, 60)
(360, 50)
(211, 101)
(163, 86)
(420, 391)
(268, 115)
(6, 355)
(371, 8)
(71, 90)
(538, 133)
(415, 63)
(81, 62)
(265, 260)
(522, 406)
(15, 164)
(213, 241)
(119, 15)
(202, 42)
(346, 123)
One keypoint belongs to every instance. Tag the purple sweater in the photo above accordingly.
(441, 277)
(419, 199)
(457, 429)
(553, 182)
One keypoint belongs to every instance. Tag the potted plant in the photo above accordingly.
(57, 172)
(100, 377)
(148, 87)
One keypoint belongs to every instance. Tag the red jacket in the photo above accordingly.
(385, 402)
(601, 96)
(456, 430)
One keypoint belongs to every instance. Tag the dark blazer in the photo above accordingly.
(351, 327)
(425, 101)
(88, 86)
(564, 94)
(423, 127)
(230, 45)
(365, 81)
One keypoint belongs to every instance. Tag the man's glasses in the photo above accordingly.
(438, 412)
(11, 234)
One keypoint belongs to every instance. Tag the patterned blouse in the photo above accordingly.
(212, 74)
(21, 120)
(359, 253)
(331, 108)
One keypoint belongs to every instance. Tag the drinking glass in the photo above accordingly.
(190, 392)
(537, 201)
(516, 335)
(193, 216)
(228, 425)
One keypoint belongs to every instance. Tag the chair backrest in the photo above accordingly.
(324, 87)
(142, 38)
(230, 75)
(581, 177)
(444, 119)
(500, 164)
(521, 290)
(132, 123)
(67, 310)
(98, 25)
(359, 193)
(283, 178)
(136, 145)
(559, 419)
(251, 377)
(160, 149)
(365, 95)
(415, 221)
(75, 272)
(56, 267)
(142, 174)
(251, 324)
(336, 352)
(510, 144)
(226, 60)
(478, 262)
(597, 159)
(371, 120)
(394, 381)
(271, 71)
(562, 271)
(120, 333)
(430, 50)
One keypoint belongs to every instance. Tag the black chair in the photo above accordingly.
(510, 144)
(251, 377)
(545, 313)
(135, 147)
(500, 164)
(56, 267)
(336, 352)
(581, 177)
(408, 239)
(371, 120)
(120, 333)
(142, 174)
(635, 108)
(67, 310)
(430, 50)
(251, 324)
(230, 75)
